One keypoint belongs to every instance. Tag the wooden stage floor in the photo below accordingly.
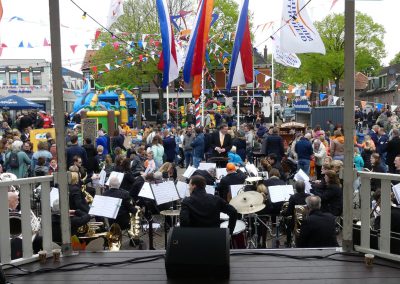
(266, 268)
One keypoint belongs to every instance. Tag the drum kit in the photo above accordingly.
(248, 204)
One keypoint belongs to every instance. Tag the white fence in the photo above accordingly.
(25, 192)
(385, 212)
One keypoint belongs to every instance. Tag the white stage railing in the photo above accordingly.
(25, 192)
(385, 212)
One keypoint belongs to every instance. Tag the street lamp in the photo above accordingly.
(138, 95)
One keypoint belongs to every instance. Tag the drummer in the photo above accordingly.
(202, 209)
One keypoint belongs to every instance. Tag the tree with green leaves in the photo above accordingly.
(136, 63)
(318, 68)
(396, 59)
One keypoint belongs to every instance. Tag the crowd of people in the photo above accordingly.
(155, 152)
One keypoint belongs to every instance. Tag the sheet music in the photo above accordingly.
(183, 189)
(396, 191)
(243, 169)
(102, 177)
(54, 195)
(301, 175)
(221, 172)
(164, 192)
(251, 169)
(235, 189)
(210, 189)
(119, 175)
(279, 193)
(206, 166)
(308, 187)
(105, 206)
(146, 191)
(189, 172)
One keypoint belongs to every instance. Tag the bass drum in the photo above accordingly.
(238, 240)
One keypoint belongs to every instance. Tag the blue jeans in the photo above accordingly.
(196, 161)
(304, 165)
(188, 158)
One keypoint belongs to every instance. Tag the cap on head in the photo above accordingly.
(230, 167)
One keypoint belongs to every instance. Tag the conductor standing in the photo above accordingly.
(202, 210)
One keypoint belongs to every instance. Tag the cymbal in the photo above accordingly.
(250, 209)
(247, 198)
(248, 202)
(170, 212)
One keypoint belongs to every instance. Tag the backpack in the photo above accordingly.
(13, 160)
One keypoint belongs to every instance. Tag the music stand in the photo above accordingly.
(220, 161)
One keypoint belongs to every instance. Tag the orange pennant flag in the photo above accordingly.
(308, 93)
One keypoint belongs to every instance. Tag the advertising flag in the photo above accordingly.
(299, 34)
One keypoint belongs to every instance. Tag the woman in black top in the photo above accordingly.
(77, 200)
(129, 178)
(331, 194)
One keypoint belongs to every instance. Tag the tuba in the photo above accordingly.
(300, 213)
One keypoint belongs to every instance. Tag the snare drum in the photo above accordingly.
(238, 240)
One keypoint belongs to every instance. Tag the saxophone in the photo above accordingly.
(88, 197)
(134, 231)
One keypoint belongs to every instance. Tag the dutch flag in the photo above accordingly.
(241, 66)
(168, 61)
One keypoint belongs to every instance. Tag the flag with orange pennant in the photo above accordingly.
(195, 54)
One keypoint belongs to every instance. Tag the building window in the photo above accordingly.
(3, 78)
(25, 78)
(154, 107)
(37, 78)
(13, 78)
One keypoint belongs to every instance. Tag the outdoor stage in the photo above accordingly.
(244, 268)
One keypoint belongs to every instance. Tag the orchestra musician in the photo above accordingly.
(77, 199)
(202, 209)
(78, 218)
(318, 229)
(16, 241)
(209, 175)
(123, 217)
(233, 177)
(298, 198)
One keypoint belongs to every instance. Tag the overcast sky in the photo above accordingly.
(35, 26)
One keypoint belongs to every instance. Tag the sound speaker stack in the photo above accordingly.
(197, 253)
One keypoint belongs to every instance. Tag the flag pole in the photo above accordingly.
(167, 103)
(254, 82)
(202, 97)
(273, 90)
(238, 107)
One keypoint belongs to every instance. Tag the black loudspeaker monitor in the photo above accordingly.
(197, 252)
